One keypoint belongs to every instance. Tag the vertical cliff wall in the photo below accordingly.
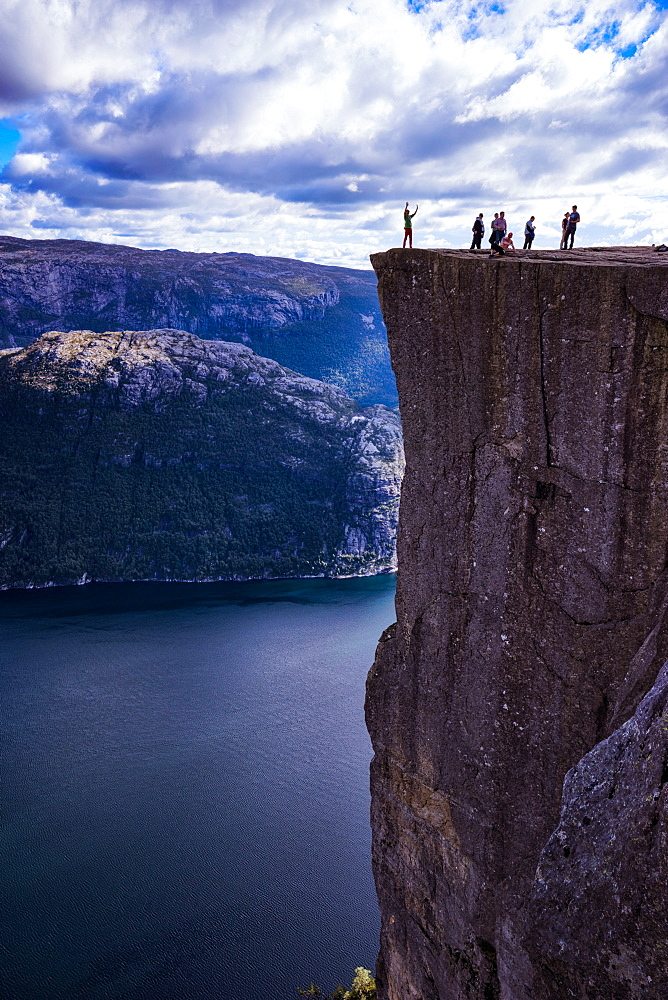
(531, 623)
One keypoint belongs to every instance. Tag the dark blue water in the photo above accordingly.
(185, 789)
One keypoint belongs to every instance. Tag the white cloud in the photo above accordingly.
(30, 164)
(301, 128)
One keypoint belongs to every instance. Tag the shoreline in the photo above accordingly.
(86, 581)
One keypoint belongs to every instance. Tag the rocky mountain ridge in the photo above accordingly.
(158, 455)
(322, 321)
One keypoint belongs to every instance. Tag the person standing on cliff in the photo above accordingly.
(564, 227)
(478, 231)
(529, 232)
(408, 226)
(571, 226)
(499, 226)
(492, 233)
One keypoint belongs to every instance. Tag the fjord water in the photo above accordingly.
(186, 788)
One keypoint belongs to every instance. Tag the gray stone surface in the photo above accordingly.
(531, 598)
(598, 906)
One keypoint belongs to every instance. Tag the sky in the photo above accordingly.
(299, 129)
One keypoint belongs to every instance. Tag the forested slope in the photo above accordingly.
(157, 455)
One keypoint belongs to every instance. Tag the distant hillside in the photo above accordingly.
(324, 322)
(160, 456)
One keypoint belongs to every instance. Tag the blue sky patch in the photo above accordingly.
(481, 10)
(604, 34)
(478, 11)
(9, 139)
(476, 15)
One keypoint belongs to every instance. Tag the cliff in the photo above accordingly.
(322, 321)
(531, 630)
(157, 455)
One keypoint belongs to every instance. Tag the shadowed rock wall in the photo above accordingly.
(531, 621)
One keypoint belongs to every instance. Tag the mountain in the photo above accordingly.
(324, 322)
(160, 456)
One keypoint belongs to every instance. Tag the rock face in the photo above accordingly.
(157, 455)
(322, 321)
(531, 622)
(606, 936)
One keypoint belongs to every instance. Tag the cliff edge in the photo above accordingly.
(531, 630)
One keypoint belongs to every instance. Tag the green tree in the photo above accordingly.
(314, 992)
(363, 988)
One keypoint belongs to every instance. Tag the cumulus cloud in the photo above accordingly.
(301, 128)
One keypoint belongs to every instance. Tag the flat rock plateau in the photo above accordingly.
(156, 455)
(518, 706)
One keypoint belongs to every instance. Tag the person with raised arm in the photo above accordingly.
(408, 226)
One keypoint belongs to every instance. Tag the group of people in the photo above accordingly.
(500, 240)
